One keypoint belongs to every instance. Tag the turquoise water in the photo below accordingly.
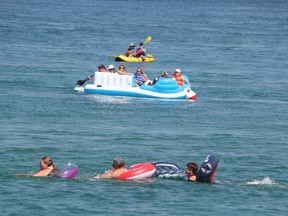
(235, 54)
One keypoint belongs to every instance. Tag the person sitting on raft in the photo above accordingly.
(118, 168)
(179, 78)
(140, 77)
(130, 52)
(101, 68)
(122, 71)
(46, 167)
(141, 52)
(163, 75)
(111, 69)
(192, 171)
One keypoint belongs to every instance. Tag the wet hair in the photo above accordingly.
(193, 167)
(118, 162)
(49, 162)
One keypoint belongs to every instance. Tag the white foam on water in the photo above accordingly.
(265, 181)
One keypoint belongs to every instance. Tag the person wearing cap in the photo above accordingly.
(163, 75)
(130, 52)
(102, 68)
(118, 168)
(111, 69)
(179, 78)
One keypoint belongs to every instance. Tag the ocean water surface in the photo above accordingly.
(235, 54)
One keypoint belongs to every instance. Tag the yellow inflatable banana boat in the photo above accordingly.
(147, 58)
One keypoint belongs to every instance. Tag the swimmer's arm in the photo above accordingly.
(23, 174)
(184, 80)
(107, 174)
(41, 173)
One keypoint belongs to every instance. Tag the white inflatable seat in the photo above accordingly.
(113, 80)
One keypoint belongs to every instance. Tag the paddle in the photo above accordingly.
(82, 82)
(147, 40)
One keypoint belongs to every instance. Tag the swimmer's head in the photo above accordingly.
(118, 162)
(47, 160)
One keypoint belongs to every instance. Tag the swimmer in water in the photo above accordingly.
(47, 167)
(192, 171)
(118, 168)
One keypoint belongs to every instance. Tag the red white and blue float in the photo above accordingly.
(139, 171)
(123, 85)
(67, 172)
(169, 170)
(172, 170)
(208, 169)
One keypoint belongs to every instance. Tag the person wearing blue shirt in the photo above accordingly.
(140, 77)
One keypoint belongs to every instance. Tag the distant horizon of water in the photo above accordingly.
(235, 55)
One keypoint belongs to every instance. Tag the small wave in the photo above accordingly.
(265, 181)
(106, 99)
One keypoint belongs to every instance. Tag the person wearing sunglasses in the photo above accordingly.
(140, 77)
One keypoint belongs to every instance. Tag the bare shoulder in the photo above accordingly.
(119, 171)
(192, 178)
(107, 174)
(44, 172)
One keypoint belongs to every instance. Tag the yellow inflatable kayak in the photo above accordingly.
(147, 58)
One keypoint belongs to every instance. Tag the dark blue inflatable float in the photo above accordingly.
(172, 170)
(208, 169)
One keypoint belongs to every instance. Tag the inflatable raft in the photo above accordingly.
(147, 58)
(139, 171)
(169, 170)
(123, 85)
(173, 171)
(67, 172)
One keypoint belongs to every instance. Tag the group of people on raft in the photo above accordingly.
(139, 52)
(140, 77)
(47, 168)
